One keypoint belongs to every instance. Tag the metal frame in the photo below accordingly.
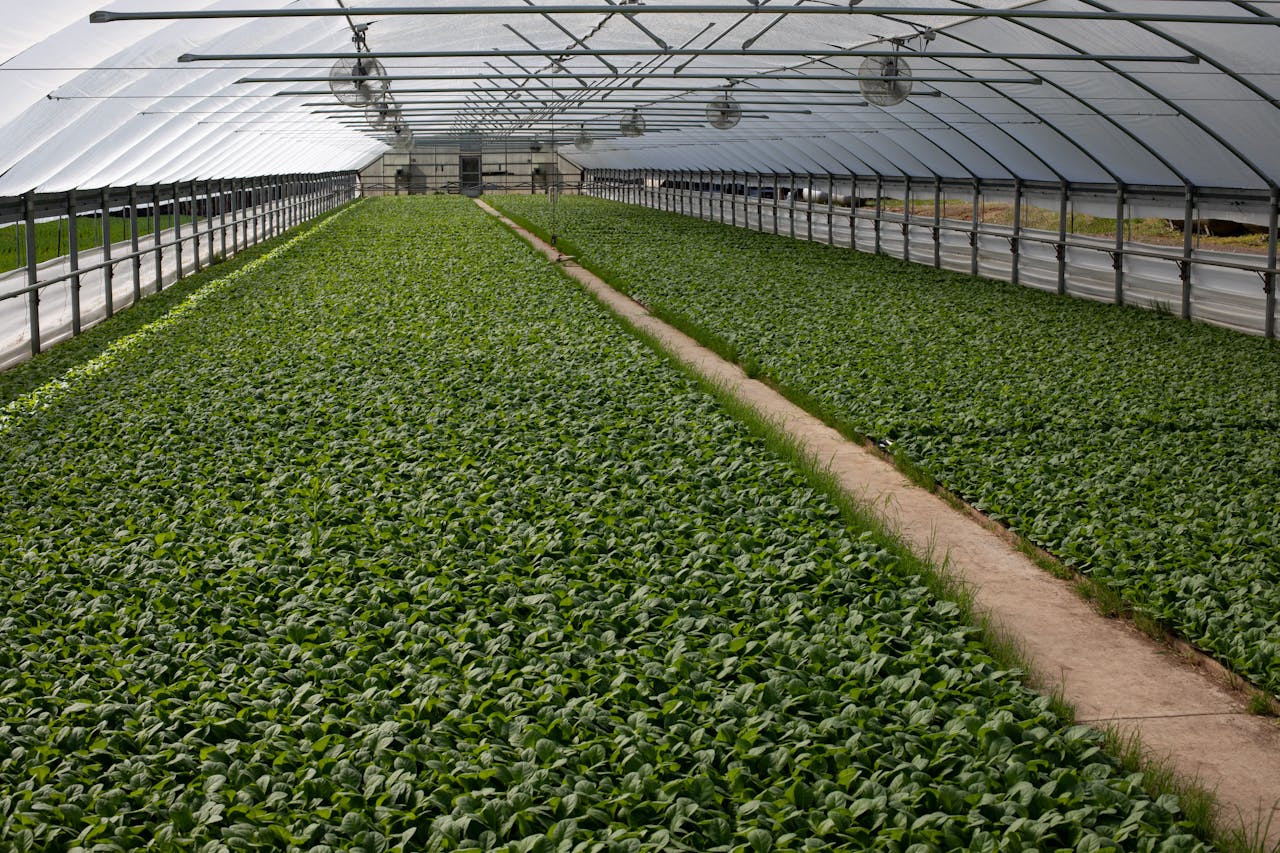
(304, 199)
(1061, 241)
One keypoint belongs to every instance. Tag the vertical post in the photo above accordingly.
(733, 198)
(906, 220)
(1269, 280)
(177, 231)
(195, 229)
(222, 213)
(853, 211)
(208, 217)
(831, 210)
(1017, 230)
(33, 295)
(791, 204)
(107, 271)
(1117, 258)
(937, 223)
(156, 240)
(879, 210)
(73, 256)
(973, 227)
(255, 202)
(1061, 248)
(133, 245)
(721, 195)
(777, 191)
(808, 207)
(701, 194)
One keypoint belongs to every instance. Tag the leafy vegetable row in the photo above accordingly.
(400, 544)
(1144, 451)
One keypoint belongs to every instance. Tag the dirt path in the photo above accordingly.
(1111, 673)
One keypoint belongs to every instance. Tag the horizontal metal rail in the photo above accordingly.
(752, 199)
(108, 16)
(241, 211)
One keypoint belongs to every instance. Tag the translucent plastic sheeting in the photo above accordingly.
(133, 113)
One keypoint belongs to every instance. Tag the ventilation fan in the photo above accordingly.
(723, 112)
(632, 124)
(350, 84)
(893, 85)
(583, 140)
(382, 115)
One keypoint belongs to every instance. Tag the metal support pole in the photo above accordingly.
(73, 257)
(1188, 230)
(721, 195)
(701, 195)
(1061, 248)
(177, 230)
(133, 245)
(973, 227)
(1269, 280)
(208, 216)
(791, 205)
(831, 210)
(255, 200)
(195, 229)
(33, 295)
(937, 223)
(906, 220)
(222, 213)
(1117, 258)
(156, 238)
(879, 210)
(853, 211)
(108, 272)
(777, 192)
(808, 207)
(733, 199)
(1017, 230)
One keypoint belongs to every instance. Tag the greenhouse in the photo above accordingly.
(627, 425)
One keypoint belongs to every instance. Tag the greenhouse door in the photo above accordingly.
(469, 172)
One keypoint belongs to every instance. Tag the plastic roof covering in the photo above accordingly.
(125, 111)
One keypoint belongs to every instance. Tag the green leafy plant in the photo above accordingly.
(395, 541)
(1140, 450)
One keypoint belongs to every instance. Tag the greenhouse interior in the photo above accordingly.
(639, 425)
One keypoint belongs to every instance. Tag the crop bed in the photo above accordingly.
(398, 543)
(1142, 450)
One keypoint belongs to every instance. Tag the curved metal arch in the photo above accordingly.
(1186, 181)
(861, 160)
(950, 126)
(950, 33)
(1203, 57)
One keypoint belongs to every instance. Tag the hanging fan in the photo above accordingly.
(583, 140)
(893, 85)
(723, 112)
(348, 80)
(382, 115)
(632, 124)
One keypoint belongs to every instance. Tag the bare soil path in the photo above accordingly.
(1111, 673)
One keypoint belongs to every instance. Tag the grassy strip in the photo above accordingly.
(52, 240)
(53, 362)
